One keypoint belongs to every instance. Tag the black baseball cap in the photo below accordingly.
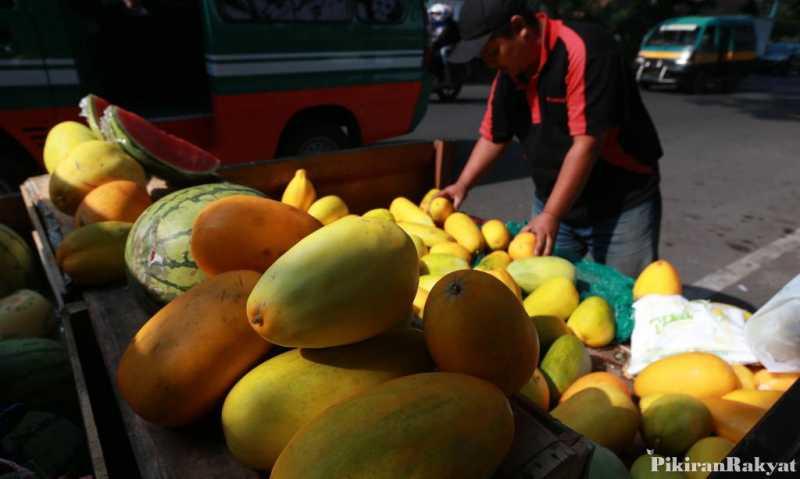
(477, 21)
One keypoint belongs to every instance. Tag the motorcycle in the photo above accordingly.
(448, 78)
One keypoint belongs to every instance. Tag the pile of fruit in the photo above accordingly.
(359, 386)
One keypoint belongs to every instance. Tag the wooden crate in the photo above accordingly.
(104, 321)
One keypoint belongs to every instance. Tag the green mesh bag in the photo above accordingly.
(595, 279)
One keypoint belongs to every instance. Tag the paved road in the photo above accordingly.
(731, 182)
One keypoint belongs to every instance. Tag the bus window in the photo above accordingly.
(708, 43)
(380, 11)
(302, 10)
(744, 39)
(674, 35)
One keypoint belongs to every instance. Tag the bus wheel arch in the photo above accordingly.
(319, 129)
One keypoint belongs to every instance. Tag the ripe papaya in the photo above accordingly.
(430, 425)
(185, 358)
(260, 414)
(243, 232)
(475, 325)
(346, 282)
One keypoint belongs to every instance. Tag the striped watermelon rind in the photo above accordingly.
(17, 262)
(158, 254)
(92, 108)
(173, 149)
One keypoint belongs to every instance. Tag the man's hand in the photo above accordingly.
(545, 227)
(456, 193)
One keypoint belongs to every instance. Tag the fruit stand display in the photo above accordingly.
(300, 316)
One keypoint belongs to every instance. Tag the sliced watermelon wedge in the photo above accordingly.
(92, 108)
(173, 159)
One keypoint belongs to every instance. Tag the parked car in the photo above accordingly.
(781, 58)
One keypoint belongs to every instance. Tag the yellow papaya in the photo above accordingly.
(300, 192)
(346, 282)
(430, 425)
(94, 255)
(405, 211)
(465, 231)
(260, 414)
(328, 209)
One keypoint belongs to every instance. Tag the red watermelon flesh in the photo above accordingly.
(166, 155)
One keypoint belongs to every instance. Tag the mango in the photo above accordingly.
(506, 278)
(441, 264)
(94, 255)
(653, 466)
(596, 379)
(428, 281)
(465, 231)
(430, 235)
(593, 322)
(659, 277)
(565, 362)
(496, 235)
(430, 425)
(345, 282)
(299, 192)
(425, 203)
(404, 211)
(762, 399)
(555, 297)
(419, 245)
(440, 209)
(530, 273)
(746, 377)
(732, 419)
(674, 422)
(709, 450)
(260, 414)
(537, 391)
(494, 260)
(767, 381)
(549, 329)
(606, 416)
(62, 139)
(452, 248)
(328, 209)
(419, 302)
(698, 374)
(647, 401)
(522, 246)
(380, 214)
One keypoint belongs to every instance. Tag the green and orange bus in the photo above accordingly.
(245, 79)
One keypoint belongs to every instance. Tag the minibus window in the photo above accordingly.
(681, 35)
(708, 44)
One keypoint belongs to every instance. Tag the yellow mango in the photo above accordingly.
(537, 391)
(94, 255)
(659, 277)
(452, 248)
(425, 204)
(732, 420)
(299, 193)
(606, 416)
(506, 278)
(746, 377)
(593, 322)
(430, 235)
(419, 301)
(380, 214)
(440, 209)
(555, 297)
(700, 375)
(595, 379)
(673, 423)
(422, 250)
(522, 246)
(465, 231)
(709, 450)
(328, 209)
(405, 211)
(496, 235)
(494, 260)
(762, 399)
(427, 281)
(441, 264)
(61, 139)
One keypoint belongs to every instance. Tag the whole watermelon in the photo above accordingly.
(158, 254)
(17, 262)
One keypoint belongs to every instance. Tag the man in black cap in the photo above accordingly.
(564, 90)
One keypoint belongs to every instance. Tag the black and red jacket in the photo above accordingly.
(582, 87)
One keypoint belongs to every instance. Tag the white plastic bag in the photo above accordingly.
(667, 325)
(773, 333)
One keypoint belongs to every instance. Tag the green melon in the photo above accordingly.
(158, 254)
(37, 372)
(17, 262)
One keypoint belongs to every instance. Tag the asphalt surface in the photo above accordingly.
(730, 182)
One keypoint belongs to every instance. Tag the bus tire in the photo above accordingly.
(315, 138)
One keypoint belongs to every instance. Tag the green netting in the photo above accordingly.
(595, 279)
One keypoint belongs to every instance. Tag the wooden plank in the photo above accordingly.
(194, 451)
(90, 427)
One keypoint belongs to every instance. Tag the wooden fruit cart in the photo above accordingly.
(99, 323)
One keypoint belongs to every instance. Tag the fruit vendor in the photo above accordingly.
(564, 91)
